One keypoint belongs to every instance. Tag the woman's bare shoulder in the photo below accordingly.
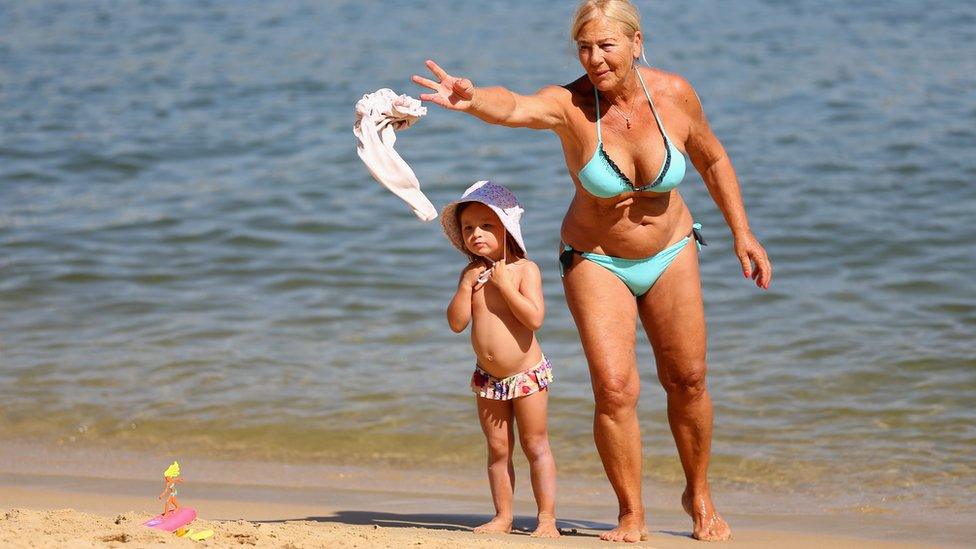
(579, 94)
(566, 93)
(674, 88)
(579, 87)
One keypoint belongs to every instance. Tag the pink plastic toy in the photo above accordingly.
(173, 516)
(172, 521)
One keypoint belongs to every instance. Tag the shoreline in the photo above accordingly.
(56, 510)
(105, 512)
(388, 506)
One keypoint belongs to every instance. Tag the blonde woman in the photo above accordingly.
(629, 240)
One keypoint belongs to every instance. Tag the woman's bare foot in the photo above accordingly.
(630, 528)
(498, 525)
(547, 527)
(708, 525)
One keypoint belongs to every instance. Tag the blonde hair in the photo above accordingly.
(621, 12)
(173, 470)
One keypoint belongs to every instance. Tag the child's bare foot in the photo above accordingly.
(498, 525)
(547, 527)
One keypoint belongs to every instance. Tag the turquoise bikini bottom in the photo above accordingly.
(638, 274)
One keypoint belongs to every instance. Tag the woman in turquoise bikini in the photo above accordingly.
(625, 130)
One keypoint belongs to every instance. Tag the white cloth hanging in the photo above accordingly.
(378, 115)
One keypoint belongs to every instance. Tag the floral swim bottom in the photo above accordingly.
(523, 384)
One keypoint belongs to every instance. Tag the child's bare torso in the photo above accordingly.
(502, 344)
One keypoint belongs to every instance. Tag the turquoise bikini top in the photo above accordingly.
(602, 178)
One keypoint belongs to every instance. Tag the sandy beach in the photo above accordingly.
(98, 497)
(34, 517)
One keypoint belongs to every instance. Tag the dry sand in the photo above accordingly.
(30, 518)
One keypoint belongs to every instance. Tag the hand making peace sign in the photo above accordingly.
(451, 92)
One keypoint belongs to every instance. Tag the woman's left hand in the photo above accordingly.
(755, 262)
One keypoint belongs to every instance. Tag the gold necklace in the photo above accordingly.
(626, 117)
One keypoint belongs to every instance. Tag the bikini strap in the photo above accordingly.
(697, 235)
(566, 258)
(653, 109)
(599, 134)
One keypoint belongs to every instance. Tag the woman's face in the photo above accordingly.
(606, 53)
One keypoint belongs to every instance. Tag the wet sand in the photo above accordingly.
(98, 497)
(53, 511)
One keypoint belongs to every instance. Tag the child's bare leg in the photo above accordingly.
(496, 422)
(530, 414)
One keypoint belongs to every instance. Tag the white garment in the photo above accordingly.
(378, 114)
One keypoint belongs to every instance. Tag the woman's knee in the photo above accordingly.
(614, 394)
(687, 380)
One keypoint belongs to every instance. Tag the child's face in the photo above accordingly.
(482, 231)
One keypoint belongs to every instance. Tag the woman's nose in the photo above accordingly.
(596, 58)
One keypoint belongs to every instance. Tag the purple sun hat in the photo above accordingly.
(499, 199)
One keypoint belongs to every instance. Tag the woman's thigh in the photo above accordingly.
(605, 313)
(673, 317)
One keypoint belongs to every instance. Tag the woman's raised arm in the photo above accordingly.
(496, 105)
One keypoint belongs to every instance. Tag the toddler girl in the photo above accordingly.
(500, 293)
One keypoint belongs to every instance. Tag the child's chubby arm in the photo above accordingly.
(459, 310)
(525, 300)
